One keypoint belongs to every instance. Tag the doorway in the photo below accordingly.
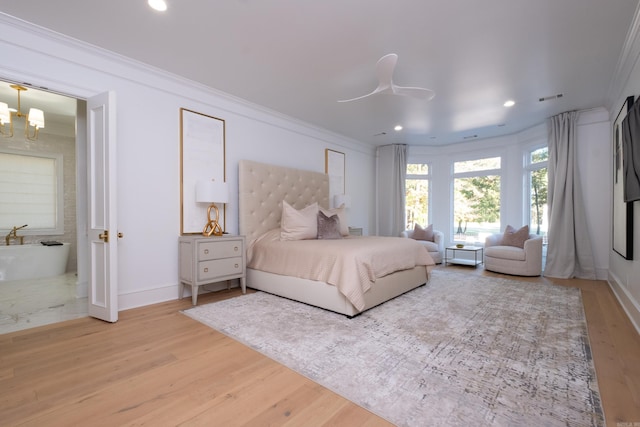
(35, 302)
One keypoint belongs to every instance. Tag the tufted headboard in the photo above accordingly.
(263, 187)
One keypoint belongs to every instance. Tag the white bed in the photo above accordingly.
(262, 188)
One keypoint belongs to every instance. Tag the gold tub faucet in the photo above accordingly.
(13, 235)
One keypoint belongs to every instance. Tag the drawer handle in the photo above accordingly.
(206, 251)
(236, 266)
(235, 248)
(206, 269)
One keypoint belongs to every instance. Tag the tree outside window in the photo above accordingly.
(417, 195)
(538, 190)
(476, 199)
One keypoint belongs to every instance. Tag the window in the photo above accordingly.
(536, 177)
(476, 199)
(30, 190)
(417, 195)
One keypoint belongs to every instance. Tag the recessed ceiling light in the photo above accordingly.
(398, 128)
(159, 5)
(510, 103)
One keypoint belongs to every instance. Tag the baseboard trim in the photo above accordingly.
(626, 300)
(166, 293)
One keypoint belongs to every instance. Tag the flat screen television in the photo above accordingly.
(631, 153)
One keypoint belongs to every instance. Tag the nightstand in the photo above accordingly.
(205, 260)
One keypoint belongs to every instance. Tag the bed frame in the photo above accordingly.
(262, 188)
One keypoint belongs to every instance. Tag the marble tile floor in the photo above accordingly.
(29, 303)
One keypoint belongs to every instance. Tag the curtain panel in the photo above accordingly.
(569, 252)
(390, 189)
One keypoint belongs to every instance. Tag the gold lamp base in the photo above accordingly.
(213, 227)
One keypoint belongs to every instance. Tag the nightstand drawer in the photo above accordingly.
(219, 249)
(217, 268)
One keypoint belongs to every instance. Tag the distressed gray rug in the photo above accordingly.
(464, 350)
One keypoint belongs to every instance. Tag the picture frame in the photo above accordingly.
(334, 166)
(202, 157)
(622, 213)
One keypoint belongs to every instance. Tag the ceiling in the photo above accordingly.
(299, 57)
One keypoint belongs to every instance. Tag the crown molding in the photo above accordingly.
(626, 63)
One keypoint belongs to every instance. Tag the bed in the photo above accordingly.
(263, 189)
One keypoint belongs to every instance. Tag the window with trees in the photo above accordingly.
(417, 195)
(476, 199)
(536, 171)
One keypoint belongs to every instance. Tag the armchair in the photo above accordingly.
(435, 248)
(526, 261)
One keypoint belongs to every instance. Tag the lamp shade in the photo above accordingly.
(36, 118)
(5, 114)
(342, 199)
(209, 191)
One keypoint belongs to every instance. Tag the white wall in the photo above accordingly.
(624, 275)
(148, 146)
(593, 163)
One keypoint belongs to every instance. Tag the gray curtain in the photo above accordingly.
(569, 252)
(390, 188)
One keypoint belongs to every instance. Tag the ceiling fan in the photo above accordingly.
(384, 71)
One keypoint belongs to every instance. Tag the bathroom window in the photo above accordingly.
(31, 192)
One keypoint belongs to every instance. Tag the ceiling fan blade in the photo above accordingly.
(384, 71)
(376, 91)
(414, 92)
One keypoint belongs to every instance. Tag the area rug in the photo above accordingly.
(463, 350)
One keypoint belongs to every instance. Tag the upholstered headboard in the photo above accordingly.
(263, 187)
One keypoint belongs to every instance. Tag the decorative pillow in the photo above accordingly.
(515, 238)
(328, 226)
(420, 233)
(342, 215)
(298, 224)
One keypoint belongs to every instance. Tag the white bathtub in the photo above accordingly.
(19, 262)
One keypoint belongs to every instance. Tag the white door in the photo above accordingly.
(102, 221)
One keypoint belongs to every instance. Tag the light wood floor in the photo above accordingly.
(158, 367)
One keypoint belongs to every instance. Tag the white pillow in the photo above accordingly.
(299, 224)
(342, 216)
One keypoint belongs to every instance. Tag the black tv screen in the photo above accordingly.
(631, 153)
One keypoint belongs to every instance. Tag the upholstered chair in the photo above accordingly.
(435, 247)
(509, 259)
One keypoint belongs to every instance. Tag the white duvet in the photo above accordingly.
(351, 264)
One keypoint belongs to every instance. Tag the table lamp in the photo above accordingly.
(211, 191)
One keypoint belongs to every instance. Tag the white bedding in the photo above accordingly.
(351, 264)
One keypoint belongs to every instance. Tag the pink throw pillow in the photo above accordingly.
(420, 233)
(515, 238)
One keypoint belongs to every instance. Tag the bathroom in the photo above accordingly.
(33, 302)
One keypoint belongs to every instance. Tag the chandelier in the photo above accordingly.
(33, 122)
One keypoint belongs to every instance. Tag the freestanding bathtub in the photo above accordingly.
(19, 262)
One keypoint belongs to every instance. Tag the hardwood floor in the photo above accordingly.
(158, 367)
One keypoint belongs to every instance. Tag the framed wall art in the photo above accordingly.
(334, 166)
(202, 158)
(622, 213)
